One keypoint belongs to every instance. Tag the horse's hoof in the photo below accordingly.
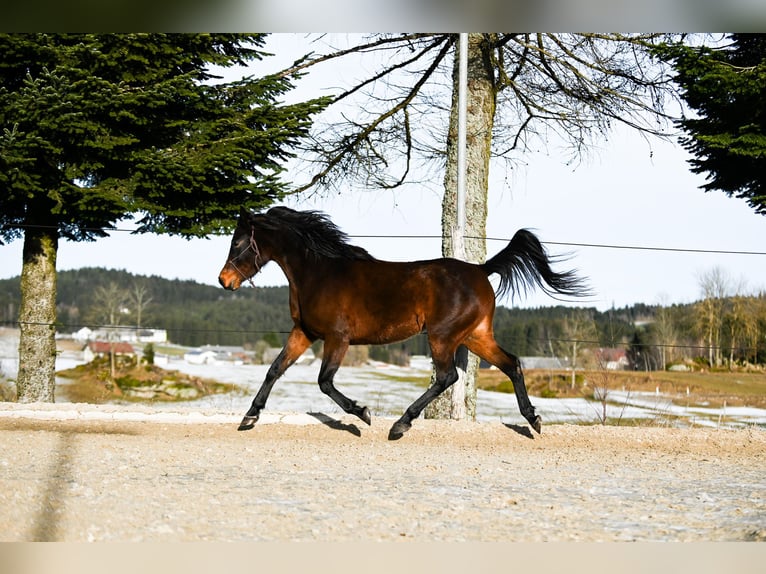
(365, 416)
(247, 423)
(398, 430)
(537, 424)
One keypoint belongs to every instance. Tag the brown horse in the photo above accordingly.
(343, 295)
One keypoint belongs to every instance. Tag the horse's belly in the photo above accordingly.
(380, 334)
(376, 324)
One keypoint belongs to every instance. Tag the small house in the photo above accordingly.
(96, 349)
(201, 357)
(612, 359)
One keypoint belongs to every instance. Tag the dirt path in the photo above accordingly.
(96, 480)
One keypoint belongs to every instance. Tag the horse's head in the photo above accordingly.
(245, 258)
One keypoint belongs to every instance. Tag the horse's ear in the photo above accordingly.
(243, 213)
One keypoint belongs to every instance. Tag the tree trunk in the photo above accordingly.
(37, 317)
(481, 99)
(574, 364)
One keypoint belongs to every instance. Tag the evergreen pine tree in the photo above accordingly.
(726, 88)
(97, 128)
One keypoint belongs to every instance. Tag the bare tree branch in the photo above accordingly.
(393, 68)
(575, 85)
(351, 142)
(307, 61)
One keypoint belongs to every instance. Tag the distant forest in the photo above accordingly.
(719, 331)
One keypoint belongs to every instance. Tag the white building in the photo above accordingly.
(200, 357)
(123, 334)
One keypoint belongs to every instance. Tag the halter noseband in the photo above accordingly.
(256, 256)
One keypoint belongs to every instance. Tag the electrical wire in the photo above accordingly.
(546, 341)
(502, 239)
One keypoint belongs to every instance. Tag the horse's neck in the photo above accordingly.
(291, 262)
(297, 263)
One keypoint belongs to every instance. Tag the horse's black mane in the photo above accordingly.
(316, 232)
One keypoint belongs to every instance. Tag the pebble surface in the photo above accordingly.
(335, 479)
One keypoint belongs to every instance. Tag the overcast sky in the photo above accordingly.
(628, 192)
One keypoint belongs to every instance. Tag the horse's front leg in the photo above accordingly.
(334, 351)
(446, 375)
(297, 343)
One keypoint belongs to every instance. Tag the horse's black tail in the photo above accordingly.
(524, 263)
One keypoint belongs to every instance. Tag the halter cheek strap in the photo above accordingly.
(256, 252)
(256, 256)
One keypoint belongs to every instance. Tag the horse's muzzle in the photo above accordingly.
(229, 280)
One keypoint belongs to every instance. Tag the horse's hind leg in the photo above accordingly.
(297, 342)
(487, 348)
(333, 356)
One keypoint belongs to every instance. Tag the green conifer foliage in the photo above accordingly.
(98, 128)
(726, 88)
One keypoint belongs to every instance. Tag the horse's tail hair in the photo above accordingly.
(524, 264)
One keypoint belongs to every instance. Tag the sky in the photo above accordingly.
(627, 192)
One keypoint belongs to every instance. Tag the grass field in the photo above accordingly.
(687, 388)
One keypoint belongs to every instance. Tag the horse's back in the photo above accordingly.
(383, 301)
(423, 281)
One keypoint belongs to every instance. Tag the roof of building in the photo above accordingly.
(119, 347)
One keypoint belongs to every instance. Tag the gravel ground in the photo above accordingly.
(94, 476)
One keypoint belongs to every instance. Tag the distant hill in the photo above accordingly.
(194, 314)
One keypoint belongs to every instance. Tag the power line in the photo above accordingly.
(645, 248)
(574, 244)
(502, 239)
(59, 325)
(546, 340)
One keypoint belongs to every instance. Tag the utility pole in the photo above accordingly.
(457, 405)
(463, 236)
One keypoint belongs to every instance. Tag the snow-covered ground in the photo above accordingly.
(387, 390)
